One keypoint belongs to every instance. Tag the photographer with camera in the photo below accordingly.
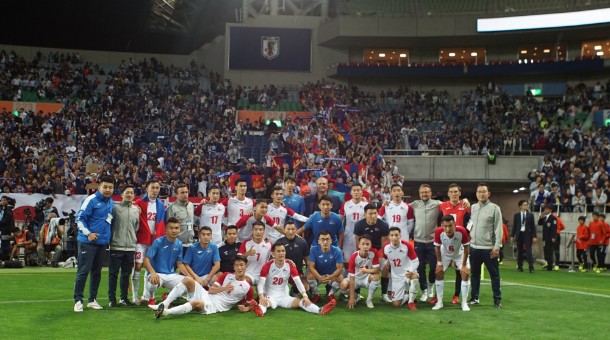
(50, 241)
(43, 208)
(7, 223)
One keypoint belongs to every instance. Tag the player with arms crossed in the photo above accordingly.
(403, 262)
(363, 271)
(451, 245)
(229, 290)
(273, 286)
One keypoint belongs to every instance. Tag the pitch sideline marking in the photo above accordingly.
(555, 289)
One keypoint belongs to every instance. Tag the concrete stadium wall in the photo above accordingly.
(469, 168)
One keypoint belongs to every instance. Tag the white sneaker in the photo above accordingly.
(153, 307)
(385, 298)
(465, 307)
(358, 298)
(424, 295)
(369, 303)
(136, 301)
(94, 305)
(438, 306)
(78, 307)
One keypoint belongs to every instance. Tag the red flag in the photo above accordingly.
(232, 180)
(257, 181)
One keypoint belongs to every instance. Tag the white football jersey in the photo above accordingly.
(211, 216)
(241, 290)
(236, 209)
(277, 277)
(401, 259)
(353, 213)
(256, 261)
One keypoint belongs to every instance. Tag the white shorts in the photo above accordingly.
(280, 300)
(202, 295)
(399, 285)
(362, 281)
(458, 263)
(140, 253)
(168, 281)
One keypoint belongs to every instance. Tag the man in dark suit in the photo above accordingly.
(524, 234)
(549, 234)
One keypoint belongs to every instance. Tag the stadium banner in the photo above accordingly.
(46, 108)
(262, 48)
(242, 115)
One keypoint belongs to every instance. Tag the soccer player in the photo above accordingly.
(202, 260)
(211, 214)
(596, 241)
(273, 283)
(325, 265)
(602, 265)
(297, 250)
(363, 271)
(403, 262)
(451, 246)
(184, 211)
(351, 212)
(460, 210)
(152, 226)
(125, 224)
(278, 213)
(398, 213)
(325, 220)
(162, 259)
(239, 205)
(257, 250)
(582, 245)
(226, 292)
(93, 220)
(246, 222)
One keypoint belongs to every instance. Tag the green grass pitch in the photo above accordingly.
(36, 303)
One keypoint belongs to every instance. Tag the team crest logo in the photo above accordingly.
(270, 47)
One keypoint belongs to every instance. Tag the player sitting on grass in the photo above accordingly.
(229, 290)
(363, 270)
(273, 286)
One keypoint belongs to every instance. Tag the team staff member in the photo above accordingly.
(297, 251)
(93, 220)
(549, 234)
(485, 243)
(524, 234)
(125, 224)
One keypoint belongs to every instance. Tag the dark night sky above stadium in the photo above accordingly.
(115, 25)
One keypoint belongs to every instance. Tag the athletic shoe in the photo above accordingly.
(125, 303)
(94, 305)
(433, 301)
(331, 297)
(430, 293)
(411, 306)
(359, 297)
(473, 301)
(500, 262)
(136, 302)
(583, 270)
(580, 267)
(256, 308)
(152, 301)
(456, 300)
(344, 297)
(556, 268)
(316, 298)
(598, 271)
(329, 307)
(424, 295)
(369, 303)
(160, 311)
(437, 306)
(497, 303)
(78, 307)
(385, 298)
(112, 303)
(155, 307)
(545, 265)
(465, 307)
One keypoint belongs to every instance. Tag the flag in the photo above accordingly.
(257, 181)
(293, 162)
(232, 180)
(353, 168)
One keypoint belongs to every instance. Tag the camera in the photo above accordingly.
(40, 205)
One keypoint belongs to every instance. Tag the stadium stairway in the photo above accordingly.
(255, 146)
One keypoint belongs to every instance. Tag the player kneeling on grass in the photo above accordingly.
(162, 258)
(402, 261)
(273, 286)
(451, 244)
(363, 270)
(229, 290)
